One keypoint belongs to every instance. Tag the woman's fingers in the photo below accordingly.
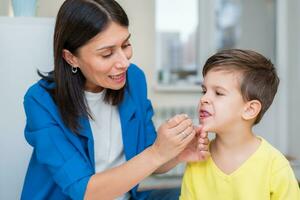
(188, 138)
(201, 132)
(177, 119)
(203, 147)
(183, 126)
(185, 133)
(166, 143)
(204, 155)
(176, 134)
(202, 135)
(203, 140)
(173, 136)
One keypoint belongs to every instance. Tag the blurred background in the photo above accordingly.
(171, 40)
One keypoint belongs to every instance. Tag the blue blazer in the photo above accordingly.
(63, 162)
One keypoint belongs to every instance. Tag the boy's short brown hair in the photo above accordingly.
(259, 79)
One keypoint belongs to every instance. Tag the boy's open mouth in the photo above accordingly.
(204, 114)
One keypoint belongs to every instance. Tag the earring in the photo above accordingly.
(74, 70)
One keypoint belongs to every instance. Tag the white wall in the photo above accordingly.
(258, 30)
(294, 74)
(45, 8)
(4, 5)
(48, 8)
(25, 46)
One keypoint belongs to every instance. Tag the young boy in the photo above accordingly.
(239, 86)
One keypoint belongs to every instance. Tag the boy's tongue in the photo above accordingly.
(204, 114)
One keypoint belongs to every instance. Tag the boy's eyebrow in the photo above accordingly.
(112, 46)
(220, 87)
(215, 87)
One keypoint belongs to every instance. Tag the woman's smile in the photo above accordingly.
(118, 78)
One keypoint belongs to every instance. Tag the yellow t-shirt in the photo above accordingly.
(265, 175)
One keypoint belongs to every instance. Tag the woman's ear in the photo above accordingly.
(251, 110)
(70, 58)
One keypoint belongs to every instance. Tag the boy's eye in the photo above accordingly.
(126, 45)
(219, 94)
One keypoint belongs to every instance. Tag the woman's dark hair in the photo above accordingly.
(259, 79)
(77, 22)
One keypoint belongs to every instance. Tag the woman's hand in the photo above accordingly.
(197, 149)
(173, 137)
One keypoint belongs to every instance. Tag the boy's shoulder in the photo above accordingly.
(266, 156)
(199, 167)
(273, 155)
(266, 153)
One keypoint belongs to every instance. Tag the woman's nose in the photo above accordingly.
(123, 61)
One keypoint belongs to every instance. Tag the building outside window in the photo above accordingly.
(176, 41)
(188, 32)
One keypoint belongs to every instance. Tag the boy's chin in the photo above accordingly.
(209, 128)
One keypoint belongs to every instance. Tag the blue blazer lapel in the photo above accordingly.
(87, 132)
(129, 124)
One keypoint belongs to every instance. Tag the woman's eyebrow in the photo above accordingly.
(112, 46)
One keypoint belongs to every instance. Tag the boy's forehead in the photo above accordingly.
(226, 69)
(222, 77)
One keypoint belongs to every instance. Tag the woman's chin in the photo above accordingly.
(117, 86)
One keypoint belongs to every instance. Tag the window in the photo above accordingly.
(177, 41)
(188, 32)
(246, 24)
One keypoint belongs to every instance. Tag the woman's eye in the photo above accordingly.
(107, 55)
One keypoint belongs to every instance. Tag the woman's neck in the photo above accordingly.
(89, 87)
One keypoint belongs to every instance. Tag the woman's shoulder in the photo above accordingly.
(136, 80)
(135, 72)
(38, 103)
(39, 89)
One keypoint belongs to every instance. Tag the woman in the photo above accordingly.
(89, 121)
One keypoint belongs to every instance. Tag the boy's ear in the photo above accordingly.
(251, 110)
(70, 58)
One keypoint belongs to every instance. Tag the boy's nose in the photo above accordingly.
(204, 99)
